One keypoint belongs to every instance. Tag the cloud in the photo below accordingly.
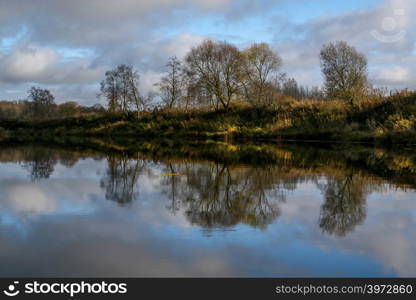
(301, 50)
(28, 64)
(67, 46)
(100, 22)
(45, 65)
(28, 199)
(393, 75)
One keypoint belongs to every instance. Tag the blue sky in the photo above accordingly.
(67, 46)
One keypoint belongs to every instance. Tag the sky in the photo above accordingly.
(66, 46)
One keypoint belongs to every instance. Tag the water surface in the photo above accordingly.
(74, 213)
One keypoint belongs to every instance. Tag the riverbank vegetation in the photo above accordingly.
(221, 92)
(386, 120)
(397, 166)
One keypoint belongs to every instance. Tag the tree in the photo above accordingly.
(41, 103)
(215, 68)
(121, 89)
(345, 71)
(289, 87)
(215, 194)
(171, 85)
(40, 162)
(345, 204)
(68, 109)
(120, 180)
(260, 64)
(97, 108)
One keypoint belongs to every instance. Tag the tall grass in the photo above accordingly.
(377, 119)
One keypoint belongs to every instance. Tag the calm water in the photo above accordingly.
(65, 213)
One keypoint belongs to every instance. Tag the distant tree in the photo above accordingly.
(97, 108)
(215, 70)
(12, 110)
(345, 71)
(171, 86)
(41, 103)
(290, 88)
(261, 64)
(315, 93)
(121, 89)
(147, 101)
(68, 109)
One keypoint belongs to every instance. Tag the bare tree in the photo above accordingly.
(261, 64)
(345, 204)
(41, 103)
(146, 101)
(40, 162)
(121, 89)
(216, 69)
(171, 85)
(345, 71)
(68, 109)
(120, 180)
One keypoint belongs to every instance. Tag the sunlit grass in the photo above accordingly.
(387, 120)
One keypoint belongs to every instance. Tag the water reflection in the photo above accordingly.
(39, 162)
(120, 180)
(345, 204)
(301, 203)
(216, 194)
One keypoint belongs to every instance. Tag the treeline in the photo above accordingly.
(214, 75)
(218, 75)
(43, 107)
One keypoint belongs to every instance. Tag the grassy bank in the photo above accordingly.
(385, 120)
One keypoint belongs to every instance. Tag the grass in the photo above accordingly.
(378, 120)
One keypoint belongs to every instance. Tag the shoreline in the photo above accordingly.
(386, 122)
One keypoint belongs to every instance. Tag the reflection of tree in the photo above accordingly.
(170, 186)
(218, 195)
(68, 158)
(40, 163)
(120, 179)
(345, 204)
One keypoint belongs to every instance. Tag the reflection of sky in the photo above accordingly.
(64, 226)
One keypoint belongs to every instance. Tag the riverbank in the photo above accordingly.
(396, 165)
(384, 121)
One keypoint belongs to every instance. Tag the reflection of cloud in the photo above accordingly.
(28, 198)
(387, 242)
(23, 199)
(106, 244)
(99, 238)
(386, 236)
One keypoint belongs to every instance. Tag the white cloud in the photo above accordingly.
(147, 33)
(393, 75)
(301, 52)
(28, 199)
(45, 65)
(28, 64)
